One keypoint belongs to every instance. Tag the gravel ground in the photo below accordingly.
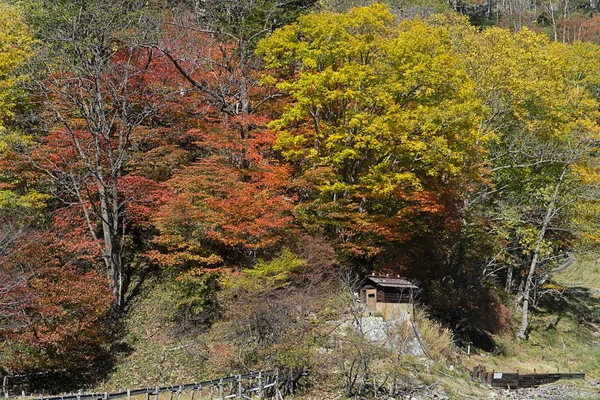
(551, 392)
(558, 391)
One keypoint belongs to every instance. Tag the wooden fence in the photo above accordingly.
(261, 385)
(516, 380)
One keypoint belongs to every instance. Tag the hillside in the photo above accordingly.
(563, 336)
(194, 189)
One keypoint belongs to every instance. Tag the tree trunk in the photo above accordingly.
(550, 212)
(244, 91)
(565, 15)
(111, 253)
(509, 279)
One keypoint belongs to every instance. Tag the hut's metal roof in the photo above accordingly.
(368, 287)
(386, 281)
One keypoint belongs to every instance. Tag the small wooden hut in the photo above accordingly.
(392, 297)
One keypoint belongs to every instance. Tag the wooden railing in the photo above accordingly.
(516, 380)
(261, 385)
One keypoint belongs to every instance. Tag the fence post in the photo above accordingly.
(239, 391)
(179, 392)
(260, 385)
(157, 393)
(5, 386)
(128, 394)
(221, 389)
(469, 350)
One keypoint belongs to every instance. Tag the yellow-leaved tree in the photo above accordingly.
(383, 120)
(15, 49)
(541, 113)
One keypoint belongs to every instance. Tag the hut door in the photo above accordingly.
(372, 300)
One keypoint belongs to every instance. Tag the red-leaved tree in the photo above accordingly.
(53, 306)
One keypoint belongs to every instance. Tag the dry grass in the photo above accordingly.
(584, 272)
(459, 387)
(208, 393)
(438, 341)
(151, 356)
(561, 338)
(564, 346)
(565, 334)
(564, 337)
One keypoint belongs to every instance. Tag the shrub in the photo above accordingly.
(505, 346)
(277, 271)
(194, 296)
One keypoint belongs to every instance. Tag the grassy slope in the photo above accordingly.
(565, 331)
(585, 272)
(150, 356)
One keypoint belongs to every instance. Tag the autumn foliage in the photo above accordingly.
(53, 306)
(247, 152)
(233, 200)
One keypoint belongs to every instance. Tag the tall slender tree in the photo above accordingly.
(92, 80)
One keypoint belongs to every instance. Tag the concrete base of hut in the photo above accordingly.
(393, 311)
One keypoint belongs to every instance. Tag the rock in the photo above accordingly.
(385, 333)
(374, 328)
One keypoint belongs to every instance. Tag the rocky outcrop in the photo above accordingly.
(401, 335)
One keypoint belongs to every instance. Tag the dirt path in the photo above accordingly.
(570, 260)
